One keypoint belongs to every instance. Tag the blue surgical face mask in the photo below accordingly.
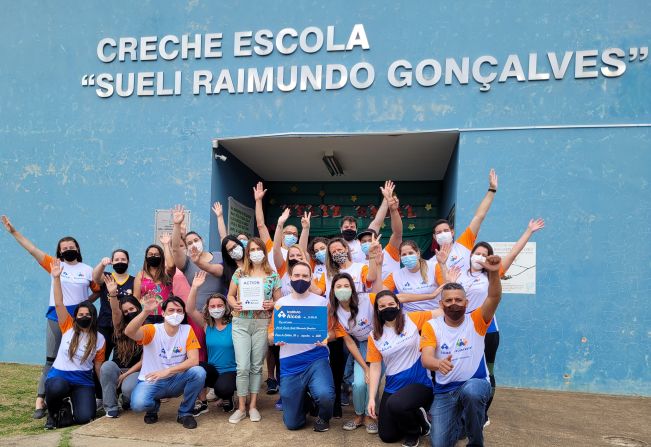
(365, 246)
(320, 256)
(409, 261)
(290, 240)
(244, 242)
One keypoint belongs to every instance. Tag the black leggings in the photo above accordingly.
(337, 365)
(81, 396)
(223, 384)
(400, 414)
(491, 343)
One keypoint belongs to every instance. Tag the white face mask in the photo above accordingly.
(256, 257)
(237, 253)
(198, 245)
(444, 238)
(175, 319)
(475, 262)
(217, 313)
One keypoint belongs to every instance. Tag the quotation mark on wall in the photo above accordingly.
(633, 53)
(88, 80)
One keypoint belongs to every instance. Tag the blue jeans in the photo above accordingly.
(146, 396)
(462, 411)
(317, 379)
(81, 396)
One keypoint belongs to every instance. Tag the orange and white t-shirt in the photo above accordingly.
(461, 250)
(74, 370)
(161, 351)
(401, 354)
(466, 345)
(405, 281)
(475, 285)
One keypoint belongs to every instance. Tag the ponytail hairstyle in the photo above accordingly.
(334, 302)
(91, 341)
(422, 264)
(125, 347)
(378, 322)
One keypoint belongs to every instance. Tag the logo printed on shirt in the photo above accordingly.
(407, 284)
(445, 347)
(462, 342)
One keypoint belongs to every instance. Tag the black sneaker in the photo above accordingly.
(411, 441)
(272, 386)
(337, 412)
(228, 405)
(50, 424)
(151, 418)
(201, 408)
(320, 425)
(39, 413)
(425, 424)
(187, 421)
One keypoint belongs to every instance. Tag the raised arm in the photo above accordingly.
(485, 204)
(375, 259)
(305, 232)
(191, 305)
(134, 328)
(258, 195)
(178, 253)
(98, 271)
(112, 295)
(492, 265)
(55, 271)
(378, 220)
(396, 223)
(534, 225)
(278, 239)
(221, 225)
(165, 240)
(32, 249)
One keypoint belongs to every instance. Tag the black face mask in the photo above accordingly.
(153, 261)
(389, 313)
(70, 255)
(454, 312)
(130, 316)
(300, 285)
(120, 267)
(84, 322)
(349, 235)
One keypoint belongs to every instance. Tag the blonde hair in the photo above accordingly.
(422, 264)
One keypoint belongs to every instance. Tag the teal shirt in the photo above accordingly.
(221, 353)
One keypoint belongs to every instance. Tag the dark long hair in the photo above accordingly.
(158, 274)
(230, 265)
(68, 239)
(125, 347)
(378, 322)
(92, 332)
(334, 302)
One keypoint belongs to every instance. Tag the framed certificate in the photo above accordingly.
(251, 293)
(300, 324)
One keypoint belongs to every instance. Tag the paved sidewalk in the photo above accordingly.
(518, 418)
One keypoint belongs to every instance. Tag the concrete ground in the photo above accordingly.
(518, 418)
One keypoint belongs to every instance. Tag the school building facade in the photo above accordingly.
(111, 112)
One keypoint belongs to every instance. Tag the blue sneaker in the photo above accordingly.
(279, 405)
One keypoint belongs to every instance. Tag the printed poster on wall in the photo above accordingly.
(163, 223)
(240, 218)
(521, 276)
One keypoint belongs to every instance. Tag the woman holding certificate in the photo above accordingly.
(251, 295)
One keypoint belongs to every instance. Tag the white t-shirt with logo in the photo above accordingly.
(405, 281)
(161, 351)
(363, 324)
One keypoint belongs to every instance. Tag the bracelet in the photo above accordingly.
(492, 190)
(112, 296)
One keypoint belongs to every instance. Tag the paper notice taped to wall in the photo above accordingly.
(163, 223)
(521, 276)
(240, 218)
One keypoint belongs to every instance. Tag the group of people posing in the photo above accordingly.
(425, 321)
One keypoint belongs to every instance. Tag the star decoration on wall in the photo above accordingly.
(383, 226)
(353, 198)
(411, 227)
(428, 206)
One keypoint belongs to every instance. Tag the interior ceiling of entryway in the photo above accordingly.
(371, 157)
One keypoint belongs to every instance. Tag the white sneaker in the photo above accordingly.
(487, 423)
(211, 396)
(254, 415)
(237, 416)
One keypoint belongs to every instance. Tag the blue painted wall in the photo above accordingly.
(72, 163)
